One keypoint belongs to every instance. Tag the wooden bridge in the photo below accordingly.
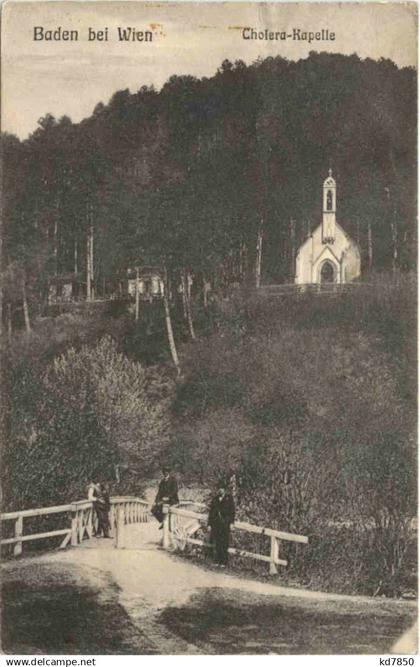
(180, 527)
(162, 604)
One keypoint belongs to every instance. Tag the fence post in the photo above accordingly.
(17, 549)
(89, 525)
(94, 521)
(81, 516)
(119, 527)
(274, 554)
(73, 540)
(165, 529)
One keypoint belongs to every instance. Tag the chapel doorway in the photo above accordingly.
(327, 273)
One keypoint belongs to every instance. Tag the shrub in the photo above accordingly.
(311, 402)
(356, 510)
(91, 409)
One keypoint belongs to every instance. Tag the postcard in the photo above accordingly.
(209, 306)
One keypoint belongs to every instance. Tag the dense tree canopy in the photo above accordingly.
(189, 176)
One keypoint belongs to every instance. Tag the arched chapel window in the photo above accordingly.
(329, 200)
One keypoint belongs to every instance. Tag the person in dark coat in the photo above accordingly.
(167, 494)
(221, 516)
(102, 505)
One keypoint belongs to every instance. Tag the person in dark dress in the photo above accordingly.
(102, 506)
(221, 516)
(167, 494)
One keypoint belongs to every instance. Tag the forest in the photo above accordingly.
(310, 401)
(219, 177)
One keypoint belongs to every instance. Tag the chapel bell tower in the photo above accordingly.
(328, 209)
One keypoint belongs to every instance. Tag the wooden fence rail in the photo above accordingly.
(326, 289)
(80, 518)
(180, 525)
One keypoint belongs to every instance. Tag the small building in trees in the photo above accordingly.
(65, 287)
(328, 255)
(149, 281)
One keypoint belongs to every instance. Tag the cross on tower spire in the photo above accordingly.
(329, 168)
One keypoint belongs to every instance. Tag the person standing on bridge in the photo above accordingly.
(93, 492)
(102, 506)
(221, 517)
(167, 494)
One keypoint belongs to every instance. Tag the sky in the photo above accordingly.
(71, 77)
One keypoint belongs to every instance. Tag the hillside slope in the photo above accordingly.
(311, 403)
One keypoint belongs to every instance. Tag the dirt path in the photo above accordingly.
(176, 607)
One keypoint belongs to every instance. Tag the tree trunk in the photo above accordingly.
(169, 329)
(88, 283)
(55, 247)
(5, 405)
(258, 259)
(137, 296)
(186, 298)
(292, 248)
(92, 283)
(2, 264)
(184, 295)
(90, 292)
(206, 290)
(76, 268)
(56, 233)
(9, 323)
(26, 309)
(243, 266)
(370, 246)
(394, 232)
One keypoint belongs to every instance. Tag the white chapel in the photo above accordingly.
(329, 255)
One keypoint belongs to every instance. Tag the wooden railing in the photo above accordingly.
(19, 535)
(127, 510)
(311, 288)
(80, 518)
(180, 525)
